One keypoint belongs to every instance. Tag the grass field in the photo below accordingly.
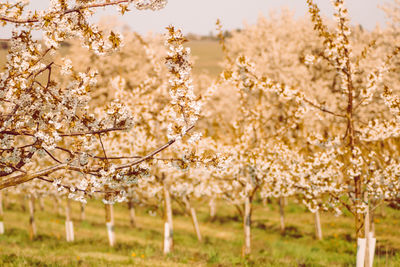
(142, 246)
(207, 55)
(3, 54)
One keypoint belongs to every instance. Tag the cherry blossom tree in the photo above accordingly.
(344, 158)
(48, 118)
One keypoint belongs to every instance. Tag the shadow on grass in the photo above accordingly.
(128, 246)
(385, 250)
(262, 224)
(292, 231)
(347, 237)
(15, 260)
(226, 219)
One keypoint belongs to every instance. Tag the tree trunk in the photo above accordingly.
(212, 209)
(372, 244)
(370, 239)
(247, 227)
(361, 246)
(132, 214)
(359, 223)
(1, 214)
(167, 238)
(318, 229)
(32, 225)
(192, 212)
(367, 239)
(239, 210)
(168, 226)
(83, 215)
(282, 213)
(109, 208)
(366, 245)
(69, 226)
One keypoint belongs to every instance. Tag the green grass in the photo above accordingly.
(221, 246)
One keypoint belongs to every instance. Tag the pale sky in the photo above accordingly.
(199, 16)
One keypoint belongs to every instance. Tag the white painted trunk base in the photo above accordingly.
(168, 226)
(69, 231)
(361, 246)
(111, 234)
(167, 238)
(1, 228)
(372, 244)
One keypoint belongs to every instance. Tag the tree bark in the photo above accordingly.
(318, 229)
(69, 226)
(168, 225)
(32, 224)
(282, 214)
(247, 227)
(359, 217)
